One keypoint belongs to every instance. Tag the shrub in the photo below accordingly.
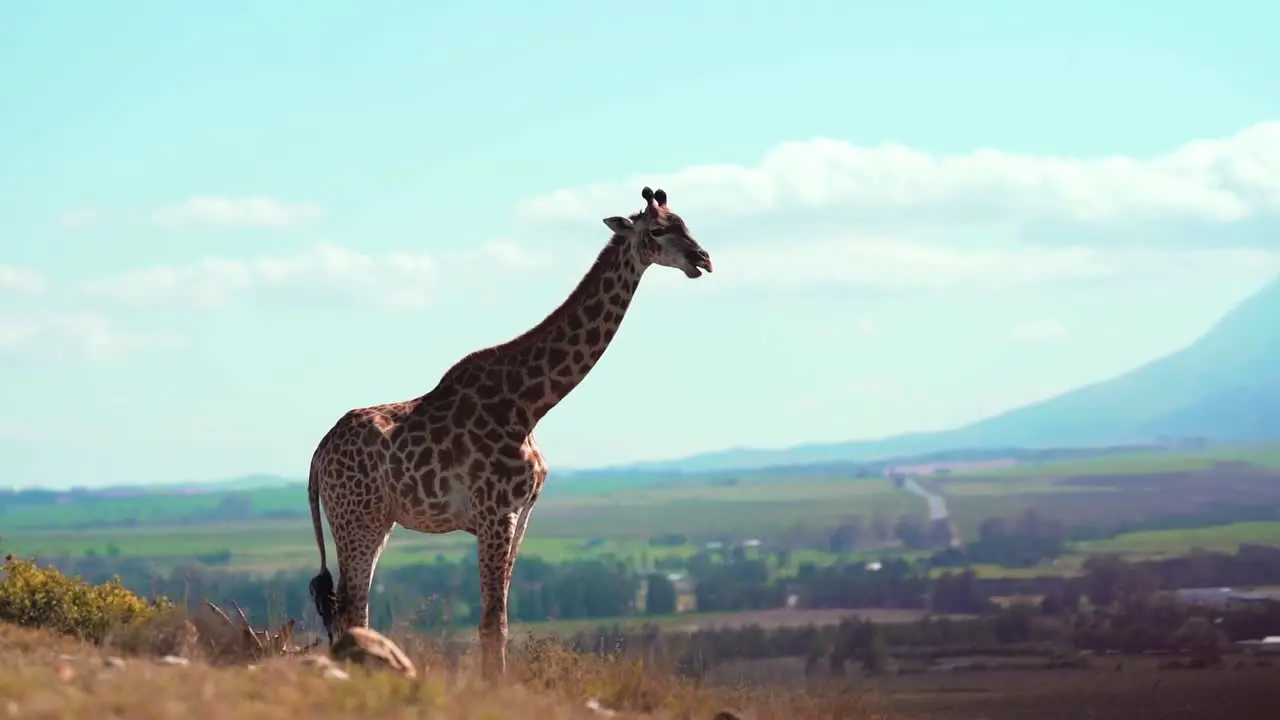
(37, 597)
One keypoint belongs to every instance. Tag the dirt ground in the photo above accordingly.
(779, 618)
(1138, 690)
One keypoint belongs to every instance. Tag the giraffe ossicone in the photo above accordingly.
(463, 456)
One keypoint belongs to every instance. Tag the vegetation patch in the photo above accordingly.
(36, 597)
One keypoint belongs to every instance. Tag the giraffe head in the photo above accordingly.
(658, 236)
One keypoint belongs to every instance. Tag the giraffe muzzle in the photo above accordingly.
(698, 260)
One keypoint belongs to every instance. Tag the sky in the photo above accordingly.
(222, 225)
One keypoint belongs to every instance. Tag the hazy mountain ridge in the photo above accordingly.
(1224, 387)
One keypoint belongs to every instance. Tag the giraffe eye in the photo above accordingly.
(658, 231)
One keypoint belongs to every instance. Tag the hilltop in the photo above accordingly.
(47, 676)
(1222, 388)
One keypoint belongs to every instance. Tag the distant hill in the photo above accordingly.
(1223, 388)
(256, 481)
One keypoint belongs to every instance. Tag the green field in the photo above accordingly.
(1140, 463)
(269, 529)
(1226, 538)
(564, 524)
(267, 547)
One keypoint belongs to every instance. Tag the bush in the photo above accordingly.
(36, 597)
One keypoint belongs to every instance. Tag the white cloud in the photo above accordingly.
(21, 280)
(887, 263)
(872, 387)
(14, 430)
(15, 333)
(859, 326)
(888, 216)
(1217, 180)
(505, 254)
(79, 218)
(325, 272)
(322, 272)
(84, 334)
(1039, 330)
(251, 212)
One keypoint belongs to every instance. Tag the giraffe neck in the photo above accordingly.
(542, 366)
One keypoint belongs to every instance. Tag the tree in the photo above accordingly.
(875, 653)
(1199, 637)
(660, 597)
(912, 531)
(879, 526)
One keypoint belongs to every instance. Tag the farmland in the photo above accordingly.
(268, 529)
(1146, 462)
(1005, 689)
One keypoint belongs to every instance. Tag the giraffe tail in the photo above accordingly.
(322, 589)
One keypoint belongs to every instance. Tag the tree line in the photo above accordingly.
(445, 592)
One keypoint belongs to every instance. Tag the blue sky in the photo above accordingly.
(224, 224)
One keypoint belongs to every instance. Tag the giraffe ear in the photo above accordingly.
(618, 224)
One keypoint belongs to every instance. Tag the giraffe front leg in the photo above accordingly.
(522, 523)
(495, 539)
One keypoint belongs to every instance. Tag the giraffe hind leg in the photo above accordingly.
(495, 538)
(359, 548)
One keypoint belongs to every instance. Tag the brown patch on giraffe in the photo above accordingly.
(464, 409)
(424, 460)
(501, 497)
(439, 432)
(556, 356)
(593, 310)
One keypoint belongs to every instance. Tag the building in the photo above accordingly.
(1223, 597)
(1269, 645)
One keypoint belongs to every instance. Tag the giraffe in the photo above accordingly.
(463, 456)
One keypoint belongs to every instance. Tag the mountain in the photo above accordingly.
(1224, 387)
(256, 481)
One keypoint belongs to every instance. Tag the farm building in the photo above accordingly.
(1223, 597)
(1269, 645)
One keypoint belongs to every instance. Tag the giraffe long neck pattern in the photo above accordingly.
(542, 366)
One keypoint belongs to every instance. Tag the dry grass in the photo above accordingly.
(48, 676)
(771, 619)
(69, 649)
(1140, 692)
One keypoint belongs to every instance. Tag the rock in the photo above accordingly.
(336, 673)
(112, 661)
(64, 672)
(174, 660)
(326, 667)
(372, 649)
(595, 706)
(188, 640)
